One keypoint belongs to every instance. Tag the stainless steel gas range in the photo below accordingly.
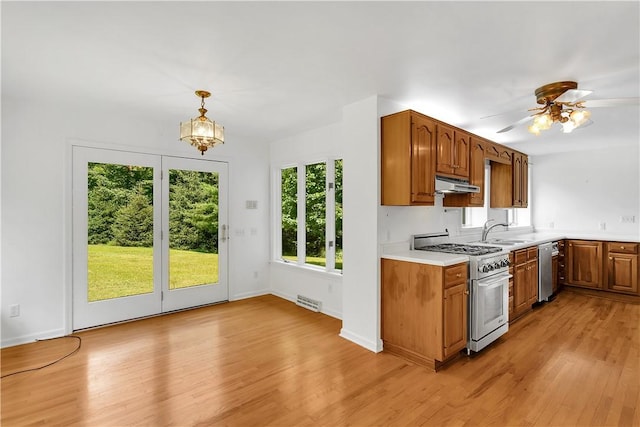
(488, 286)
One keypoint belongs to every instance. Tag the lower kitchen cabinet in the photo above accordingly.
(622, 267)
(584, 263)
(525, 280)
(424, 311)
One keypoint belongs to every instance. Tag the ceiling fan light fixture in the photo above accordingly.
(543, 121)
(579, 117)
(201, 132)
(534, 129)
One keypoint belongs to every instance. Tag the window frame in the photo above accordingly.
(330, 214)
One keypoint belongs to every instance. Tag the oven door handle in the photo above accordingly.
(494, 283)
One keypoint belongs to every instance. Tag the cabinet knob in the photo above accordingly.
(459, 275)
(621, 247)
(466, 292)
(610, 257)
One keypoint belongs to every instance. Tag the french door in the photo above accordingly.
(149, 235)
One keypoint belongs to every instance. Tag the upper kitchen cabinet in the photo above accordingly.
(509, 181)
(520, 180)
(476, 176)
(408, 159)
(453, 152)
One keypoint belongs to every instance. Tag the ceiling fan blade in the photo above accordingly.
(518, 123)
(612, 102)
(572, 95)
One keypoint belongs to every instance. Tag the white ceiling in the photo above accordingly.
(278, 68)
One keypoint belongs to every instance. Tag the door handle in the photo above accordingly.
(224, 233)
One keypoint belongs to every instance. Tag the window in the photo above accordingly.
(315, 195)
(289, 213)
(476, 217)
(516, 217)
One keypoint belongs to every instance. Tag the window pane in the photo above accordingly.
(315, 193)
(338, 192)
(289, 203)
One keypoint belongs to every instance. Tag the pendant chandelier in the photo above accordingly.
(201, 132)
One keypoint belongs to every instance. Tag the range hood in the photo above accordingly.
(452, 185)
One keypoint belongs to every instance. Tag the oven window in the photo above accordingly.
(493, 299)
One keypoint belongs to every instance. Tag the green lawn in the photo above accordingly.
(116, 271)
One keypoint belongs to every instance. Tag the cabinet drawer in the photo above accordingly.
(622, 247)
(520, 256)
(532, 253)
(455, 275)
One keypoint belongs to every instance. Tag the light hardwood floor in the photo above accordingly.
(264, 361)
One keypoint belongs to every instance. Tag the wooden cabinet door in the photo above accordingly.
(554, 274)
(584, 263)
(622, 273)
(461, 148)
(476, 171)
(532, 282)
(445, 143)
(520, 289)
(524, 182)
(476, 177)
(423, 160)
(517, 180)
(455, 319)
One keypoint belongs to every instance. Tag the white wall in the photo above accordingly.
(577, 191)
(35, 187)
(361, 176)
(287, 280)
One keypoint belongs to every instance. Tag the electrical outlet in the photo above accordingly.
(14, 310)
(602, 226)
(628, 219)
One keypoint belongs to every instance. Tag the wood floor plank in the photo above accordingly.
(264, 361)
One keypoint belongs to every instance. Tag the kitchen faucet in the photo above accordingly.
(486, 229)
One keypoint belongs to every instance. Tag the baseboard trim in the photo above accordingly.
(246, 295)
(26, 339)
(360, 340)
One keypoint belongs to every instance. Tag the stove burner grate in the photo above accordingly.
(457, 248)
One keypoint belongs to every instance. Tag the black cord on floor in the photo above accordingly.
(77, 349)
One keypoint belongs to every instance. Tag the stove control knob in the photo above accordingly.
(496, 265)
(504, 263)
(486, 268)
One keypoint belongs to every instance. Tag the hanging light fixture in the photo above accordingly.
(201, 132)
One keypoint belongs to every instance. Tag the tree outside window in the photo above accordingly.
(320, 189)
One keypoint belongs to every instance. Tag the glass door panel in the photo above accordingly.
(116, 257)
(193, 228)
(120, 231)
(195, 232)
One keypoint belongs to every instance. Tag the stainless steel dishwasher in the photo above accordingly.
(545, 272)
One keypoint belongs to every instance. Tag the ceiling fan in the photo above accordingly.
(562, 102)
